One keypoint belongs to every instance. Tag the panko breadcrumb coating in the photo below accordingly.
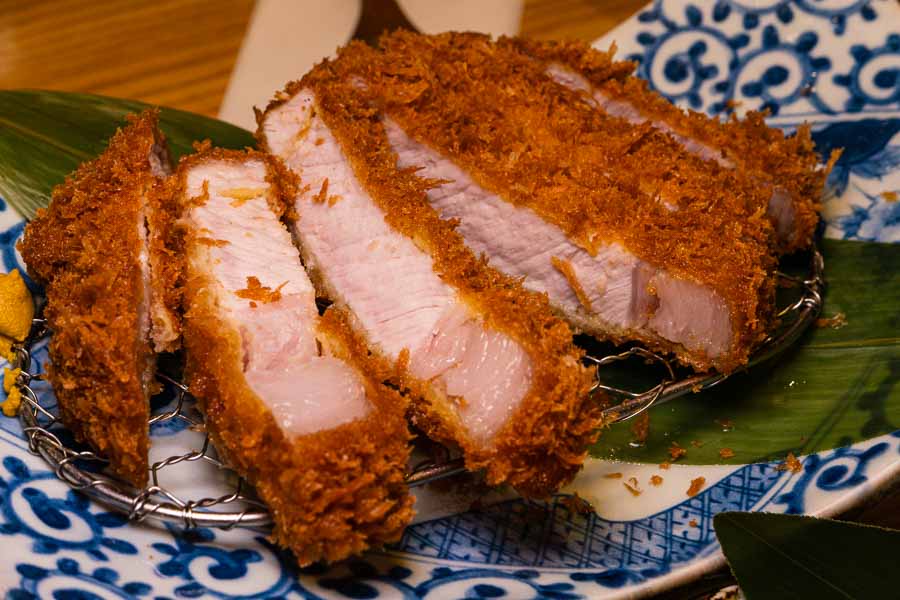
(544, 443)
(518, 134)
(89, 249)
(333, 493)
(764, 154)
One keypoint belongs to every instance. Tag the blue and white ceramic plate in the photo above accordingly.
(834, 63)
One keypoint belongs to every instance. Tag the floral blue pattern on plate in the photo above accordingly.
(833, 63)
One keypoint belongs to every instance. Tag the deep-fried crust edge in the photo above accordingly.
(84, 249)
(765, 153)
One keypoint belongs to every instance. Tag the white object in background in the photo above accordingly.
(284, 39)
(497, 17)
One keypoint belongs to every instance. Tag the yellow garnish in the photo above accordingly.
(16, 311)
(242, 194)
(13, 400)
(9, 378)
(13, 394)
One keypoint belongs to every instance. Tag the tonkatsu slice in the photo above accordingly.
(787, 167)
(292, 400)
(684, 266)
(102, 251)
(488, 366)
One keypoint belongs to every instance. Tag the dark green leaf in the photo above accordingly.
(790, 557)
(45, 135)
(839, 386)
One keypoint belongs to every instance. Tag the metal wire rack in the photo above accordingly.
(236, 506)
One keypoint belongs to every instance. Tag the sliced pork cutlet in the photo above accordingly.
(488, 366)
(292, 400)
(786, 167)
(515, 159)
(102, 251)
(600, 150)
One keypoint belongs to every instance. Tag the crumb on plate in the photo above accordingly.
(696, 485)
(676, 451)
(632, 486)
(791, 463)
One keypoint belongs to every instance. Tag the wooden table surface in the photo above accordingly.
(180, 53)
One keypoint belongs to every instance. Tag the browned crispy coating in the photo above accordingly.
(495, 113)
(763, 153)
(166, 247)
(334, 493)
(543, 444)
(85, 249)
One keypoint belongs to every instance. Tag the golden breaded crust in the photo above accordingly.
(764, 153)
(166, 248)
(597, 66)
(84, 248)
(544, 443)
(496, 114)
(332, 494)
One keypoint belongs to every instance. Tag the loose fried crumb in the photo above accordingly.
(676, 451)
(566, 270)
(726, 453)
(837, 321)
(791, 463)
(696, 443)
(632, 486)
(693, 523)
(322, 196)
(725, 424)
(211, 242)
(890, 196)
(259, 292)
(640, 427)
(665, 466)
(242, 195)
(656, 480)
(613, 475)
(696, 485)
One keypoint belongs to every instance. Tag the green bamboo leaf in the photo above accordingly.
(44, 136)
(837, 387)
(785, 556)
